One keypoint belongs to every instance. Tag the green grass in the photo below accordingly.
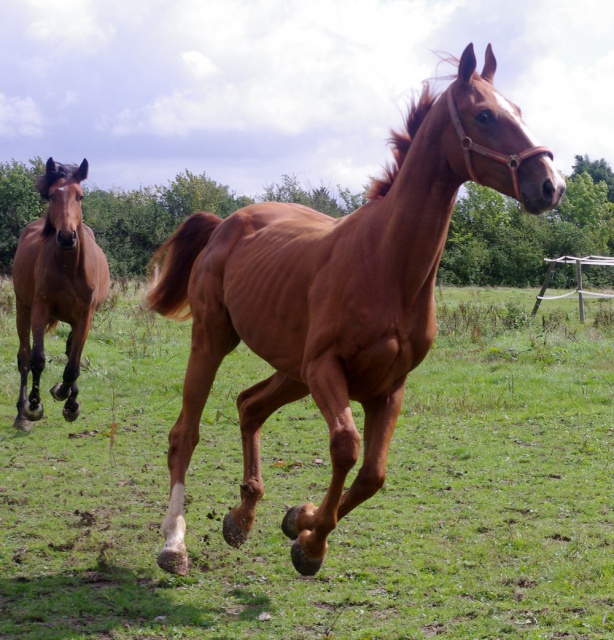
(496, 520)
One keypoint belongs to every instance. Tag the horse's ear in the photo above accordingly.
(467, 64)
(50, 166)
(81, 173)
(490, 65)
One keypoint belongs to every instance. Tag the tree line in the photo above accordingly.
(491, 240)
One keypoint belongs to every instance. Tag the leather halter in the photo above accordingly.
(512, 161)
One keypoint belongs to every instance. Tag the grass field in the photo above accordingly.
(496, 520)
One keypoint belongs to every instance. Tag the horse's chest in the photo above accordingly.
(379, 365)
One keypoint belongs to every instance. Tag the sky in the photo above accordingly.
(247, 91)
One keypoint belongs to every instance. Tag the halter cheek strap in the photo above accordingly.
(513, 161)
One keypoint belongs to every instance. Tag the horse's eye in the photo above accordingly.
(484, 117)
(79, 197)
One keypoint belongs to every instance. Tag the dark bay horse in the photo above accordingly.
(342, 309)
(59, 274)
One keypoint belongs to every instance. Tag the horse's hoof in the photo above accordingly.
(174, 561)
(71, 415)
(35, 412)
(21, 424)
(233, 534)
(55, 392)
(288, 524)
(305, 565)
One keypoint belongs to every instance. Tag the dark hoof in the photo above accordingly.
(174, 561)
(33, 412)
(70, 415)
(305, 565)
(55, 392)
(21, 424)
(233, 534)
(288, 524)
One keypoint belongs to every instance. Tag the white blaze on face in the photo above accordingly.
(509, 109)
(557, 179)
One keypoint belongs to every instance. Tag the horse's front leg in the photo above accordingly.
(381, 415)
(67, 389)
(329, 389)
(255, 405)
(25, 412)
(39, 317)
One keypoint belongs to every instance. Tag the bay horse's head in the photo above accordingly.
(492, 145)
(61, 185)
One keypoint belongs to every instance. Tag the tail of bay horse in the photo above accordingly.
(342, 309)
(59, 274)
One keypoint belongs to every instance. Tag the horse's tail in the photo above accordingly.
(172, 263)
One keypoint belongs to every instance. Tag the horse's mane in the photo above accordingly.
(400, 141)
(45, 182)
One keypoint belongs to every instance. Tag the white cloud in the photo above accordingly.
(19, 117)
(571, 106)
(291, 67)
(200, 65)
(68, 26)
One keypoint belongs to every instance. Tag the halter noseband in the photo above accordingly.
(512, 161)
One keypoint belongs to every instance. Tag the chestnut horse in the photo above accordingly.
(342, 309)
(59, 274)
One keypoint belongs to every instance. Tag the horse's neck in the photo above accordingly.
(419, 205)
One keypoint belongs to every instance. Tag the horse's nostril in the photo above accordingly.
(548, 190)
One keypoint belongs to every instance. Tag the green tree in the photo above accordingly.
(20, 203)
(129, 226)
(189, 193)
(320, 198)
(599, 171)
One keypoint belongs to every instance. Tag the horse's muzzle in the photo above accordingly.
(546, 198)
(66, 242)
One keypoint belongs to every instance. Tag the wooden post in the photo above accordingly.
(579, 285)
(549, 276)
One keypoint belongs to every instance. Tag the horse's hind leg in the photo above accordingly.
(255, 405)
(328, 387)
(210, 344)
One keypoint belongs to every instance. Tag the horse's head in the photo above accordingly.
(492, 145)
(61, 185)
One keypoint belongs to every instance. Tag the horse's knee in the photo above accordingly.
(179, 437)
(345, 448)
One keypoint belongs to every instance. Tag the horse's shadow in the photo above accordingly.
(92, 603)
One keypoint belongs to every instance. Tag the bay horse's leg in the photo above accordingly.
(67, 389)
(255, 405)
(212, 340)
(328, 387)
(381, 415)
(38, 318)
(24, 413)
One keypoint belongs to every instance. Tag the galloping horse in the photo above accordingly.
(59, 274)
(342, 309)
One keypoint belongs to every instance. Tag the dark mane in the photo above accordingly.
(400, 141)
(44, 182)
